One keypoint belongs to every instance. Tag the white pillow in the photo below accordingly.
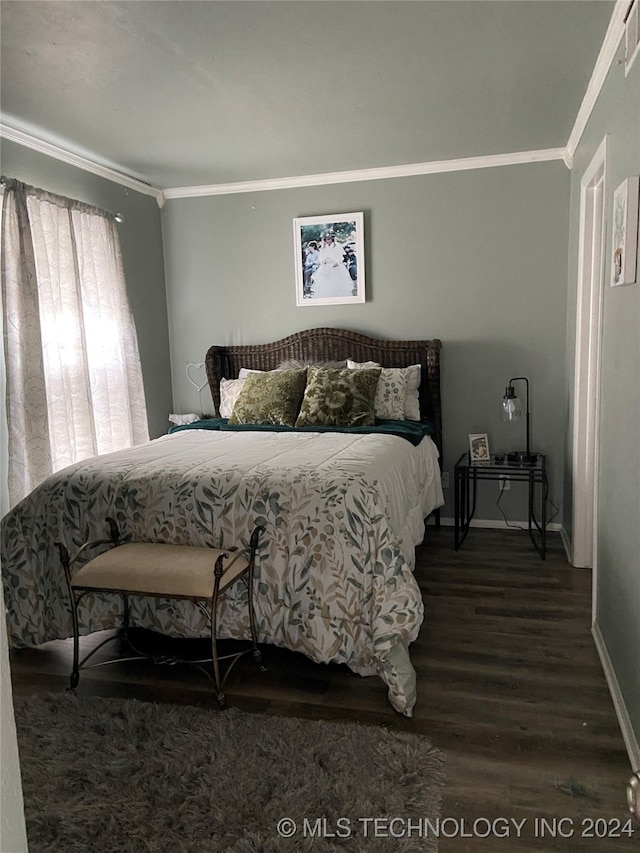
(229, 392)
(390, 392)
(180, 420)
(412, 399)
(411, 410)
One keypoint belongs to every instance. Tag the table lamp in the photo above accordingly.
(512, 411)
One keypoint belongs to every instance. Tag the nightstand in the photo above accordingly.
(466, 477)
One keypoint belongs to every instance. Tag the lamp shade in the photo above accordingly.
(511, 409)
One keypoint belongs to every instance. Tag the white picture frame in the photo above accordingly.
(479, 447)
(624, 242)
(329, 259)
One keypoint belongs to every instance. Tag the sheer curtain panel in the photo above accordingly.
(73, 377)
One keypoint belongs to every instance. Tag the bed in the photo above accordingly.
(343, 511)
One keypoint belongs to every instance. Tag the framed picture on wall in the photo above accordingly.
(329, 259)
(479, 447)
(624, 244)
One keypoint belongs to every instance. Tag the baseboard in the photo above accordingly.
(624, 721)
(499, 524)
(564, 536)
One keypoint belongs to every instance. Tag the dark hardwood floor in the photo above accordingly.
(510, 688)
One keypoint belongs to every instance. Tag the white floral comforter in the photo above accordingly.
(342, 514)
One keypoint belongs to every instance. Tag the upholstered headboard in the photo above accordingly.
(330, 345)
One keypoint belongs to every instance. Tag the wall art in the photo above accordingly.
(329, 259)
(624, 245)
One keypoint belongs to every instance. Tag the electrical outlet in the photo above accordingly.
(504, 484)
(445, 479)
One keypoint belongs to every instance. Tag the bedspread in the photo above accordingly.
(334, 577)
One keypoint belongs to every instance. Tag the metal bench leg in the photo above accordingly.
(255, 539)
(74, 678)
(65, 559)
(125, 623)
(217, 573)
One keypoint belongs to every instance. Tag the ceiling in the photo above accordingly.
(180, 93)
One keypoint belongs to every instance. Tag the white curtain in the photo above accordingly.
(73, 378)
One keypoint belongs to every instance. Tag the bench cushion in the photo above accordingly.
(175, 571)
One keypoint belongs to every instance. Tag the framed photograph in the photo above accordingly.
(624, 245)
(329, 259)
(479, 447)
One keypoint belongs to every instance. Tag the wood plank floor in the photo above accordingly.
(510, 688)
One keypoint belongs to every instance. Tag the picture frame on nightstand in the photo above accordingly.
(479, 447)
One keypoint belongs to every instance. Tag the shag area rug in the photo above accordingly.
(122, 776)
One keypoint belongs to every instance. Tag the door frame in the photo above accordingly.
(588, 364)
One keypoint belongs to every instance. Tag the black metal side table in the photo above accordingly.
(466, 476)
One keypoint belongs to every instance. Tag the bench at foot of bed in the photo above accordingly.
(162, 571)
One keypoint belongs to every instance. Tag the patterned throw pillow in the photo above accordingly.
(229, 392)
(391, 392)
(270, 398)
(412, 398)
(410, 410)
(339, 398)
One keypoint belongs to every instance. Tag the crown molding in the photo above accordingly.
(72, 158)
(326, 178)
(615, 32)
(408, 170)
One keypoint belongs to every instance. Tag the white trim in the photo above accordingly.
(5, 503)
(566, 541)
(407, 170)
(614, 34)
(80, 161)
(629, 63)
(498, 524)
(624, 720)
(632, 36)
(587, 364)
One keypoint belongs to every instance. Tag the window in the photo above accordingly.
(73, 375)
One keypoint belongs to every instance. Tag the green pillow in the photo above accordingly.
(270, 398)
(339, 398)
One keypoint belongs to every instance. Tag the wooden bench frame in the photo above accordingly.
(78, 587)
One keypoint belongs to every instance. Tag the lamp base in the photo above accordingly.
(521, 457)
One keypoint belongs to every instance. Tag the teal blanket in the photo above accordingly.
(413, 431)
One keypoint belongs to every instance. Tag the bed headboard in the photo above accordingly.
(334, 345)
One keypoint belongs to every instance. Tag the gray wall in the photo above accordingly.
(141, 242)
(476, 258)
(617, 115)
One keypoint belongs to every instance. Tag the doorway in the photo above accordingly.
(586, 409)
